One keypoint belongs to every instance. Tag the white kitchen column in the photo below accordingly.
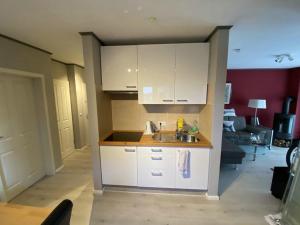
(99, 104)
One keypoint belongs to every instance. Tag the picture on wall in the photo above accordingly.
(227, 95)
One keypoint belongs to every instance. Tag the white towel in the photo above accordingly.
(183, 163)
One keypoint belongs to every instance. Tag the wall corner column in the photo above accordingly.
(216, 87)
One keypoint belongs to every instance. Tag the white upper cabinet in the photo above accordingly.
(119, 68)
(156, 65)
(191, 73)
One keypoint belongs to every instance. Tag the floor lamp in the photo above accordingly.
(257, 104)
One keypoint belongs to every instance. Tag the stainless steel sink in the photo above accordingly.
(172, 137)
(164, 137)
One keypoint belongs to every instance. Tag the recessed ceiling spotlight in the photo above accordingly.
(237, 50)
(281, 57)
(125, 11)
(152, 19)
(139, 8)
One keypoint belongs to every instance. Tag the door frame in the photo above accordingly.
(43, 118)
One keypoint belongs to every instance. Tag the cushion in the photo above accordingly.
(229, 112)
(228, 126)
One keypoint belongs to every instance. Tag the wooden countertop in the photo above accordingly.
(11, 214)
(147, 140)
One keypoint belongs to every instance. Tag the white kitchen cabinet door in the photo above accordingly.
(156, 65)
(199, 162)
(119, 165)
(156, 167)
(191, 73)
(119, 68)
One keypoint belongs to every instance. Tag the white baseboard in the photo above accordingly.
(212, 197)
(82, 148)
(59, 168)
(98, 192)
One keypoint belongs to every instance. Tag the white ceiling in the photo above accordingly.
(262, 28)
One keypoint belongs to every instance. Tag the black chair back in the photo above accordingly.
(61, 215)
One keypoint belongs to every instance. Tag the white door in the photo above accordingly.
(64, 116)
(119, 68)
(191, 73)
(156, 74)
(119, 165)
(21, 160)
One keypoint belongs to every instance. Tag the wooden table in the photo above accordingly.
(11, 214)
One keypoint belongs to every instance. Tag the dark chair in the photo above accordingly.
(61, 215)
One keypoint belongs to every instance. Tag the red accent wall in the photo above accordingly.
(269, 84)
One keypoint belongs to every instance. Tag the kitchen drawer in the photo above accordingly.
(156, 167)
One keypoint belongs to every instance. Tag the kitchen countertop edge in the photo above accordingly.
(147, 141)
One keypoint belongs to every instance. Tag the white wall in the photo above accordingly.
(15, 55)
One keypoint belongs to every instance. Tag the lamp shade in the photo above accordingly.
(257, 103)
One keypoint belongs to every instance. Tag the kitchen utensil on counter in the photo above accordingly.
(150, 128)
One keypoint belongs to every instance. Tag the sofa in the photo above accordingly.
(241, 133)
(231, 153)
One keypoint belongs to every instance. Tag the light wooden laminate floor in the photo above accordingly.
(245, 197)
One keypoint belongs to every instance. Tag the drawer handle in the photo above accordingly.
(167, 100)
(182, 100)
(130, 86)
(156, 157)
(155, 150)
(156, 174)
(129, 150)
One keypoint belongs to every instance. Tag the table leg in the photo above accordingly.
(255, 150)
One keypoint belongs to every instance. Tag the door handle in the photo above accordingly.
(156, 174)
(155, 150)
(130, 86)
(129, 150)
(156, 157)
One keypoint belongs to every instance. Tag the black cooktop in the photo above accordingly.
(125, 136)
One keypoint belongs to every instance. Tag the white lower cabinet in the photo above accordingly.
(198, 177)
(156, 167)
(153, 167)
(119, 165)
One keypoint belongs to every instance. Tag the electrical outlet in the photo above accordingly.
(162, 123)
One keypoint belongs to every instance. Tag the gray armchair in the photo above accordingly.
(242, 134)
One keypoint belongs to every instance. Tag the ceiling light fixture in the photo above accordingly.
(281, 57)
(152, 19)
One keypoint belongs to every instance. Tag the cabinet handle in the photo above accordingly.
(129, 150)
(167, 100)
(156, 174)
(155, 150)
(182, 100)
(1, 137)
(130, 86)
(156, 157)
